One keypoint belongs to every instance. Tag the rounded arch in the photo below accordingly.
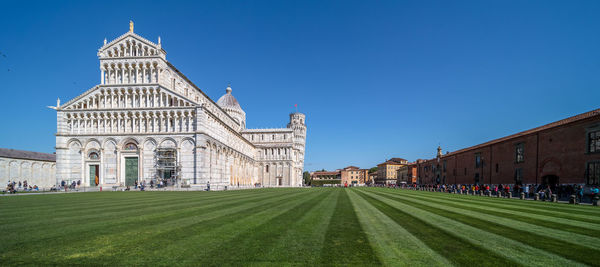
(109, 140)
(168, 142)
(187, 141)
(149, 140)
(92, 143)
(550, 166)
(129, 140)
(73, 141)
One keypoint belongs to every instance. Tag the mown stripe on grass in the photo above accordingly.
(570, 215)
(303, 240)
(456, 249)
(546, 205)
(250, 243)
(106, 222)
(120, 206)
(345, 240)
(514, 250)
(391, 242)
(576, 252)
(101, 239)
(170, 237)
(546, 221)
(569, 237)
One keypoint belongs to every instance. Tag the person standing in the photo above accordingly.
(526, 191)
(580, 194)
(208, 186)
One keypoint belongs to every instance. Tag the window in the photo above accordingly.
(444, 166)
(130, 146)
(496, 167)
(93, 155)
(594, 141)
(519, 176)
(465, 171)
(477, 160)
(593, 173)
(519, 153)
(267, 168)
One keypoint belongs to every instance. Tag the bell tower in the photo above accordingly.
(298, 125)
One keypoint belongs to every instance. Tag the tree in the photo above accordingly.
(372, 170)
(306, 177)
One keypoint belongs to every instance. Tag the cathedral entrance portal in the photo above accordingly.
(131, 170)
(94, 175)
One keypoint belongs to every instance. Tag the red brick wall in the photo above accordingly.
(559, 151)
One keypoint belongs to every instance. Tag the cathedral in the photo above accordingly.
(146, 121)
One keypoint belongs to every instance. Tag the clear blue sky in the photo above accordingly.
(376, 79)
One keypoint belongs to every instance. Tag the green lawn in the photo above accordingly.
(318, 226)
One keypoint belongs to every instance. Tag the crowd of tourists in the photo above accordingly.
(542, 191)
(14, 187)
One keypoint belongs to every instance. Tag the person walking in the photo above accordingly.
(526, 191)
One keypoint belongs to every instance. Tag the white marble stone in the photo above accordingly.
(143, 103)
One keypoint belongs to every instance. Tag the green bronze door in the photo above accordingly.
(131, 171)
(93, 175)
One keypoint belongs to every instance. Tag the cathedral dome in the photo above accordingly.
(228, 101)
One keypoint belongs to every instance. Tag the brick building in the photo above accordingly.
(407, 174)
(562, 152)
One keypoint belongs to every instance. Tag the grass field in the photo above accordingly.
(320, 226)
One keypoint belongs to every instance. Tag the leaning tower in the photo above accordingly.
(297, 123)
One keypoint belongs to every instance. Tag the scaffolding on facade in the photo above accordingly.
(166, 165)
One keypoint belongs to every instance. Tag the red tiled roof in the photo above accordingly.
(326, 173)
(391, 162)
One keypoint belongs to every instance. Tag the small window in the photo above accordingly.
(477, 160)
(496, 167)
(93, 155)
(593, 173)
(519, 176)
(444, 166)
(520, 153)
(594, 141)
(130, 146)
(267, 168)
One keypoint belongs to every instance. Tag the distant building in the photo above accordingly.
(387, 172)
(372, 178)
(407, 174)
(325, 177)
(353, 175)
(562, 152)
(34, 167)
